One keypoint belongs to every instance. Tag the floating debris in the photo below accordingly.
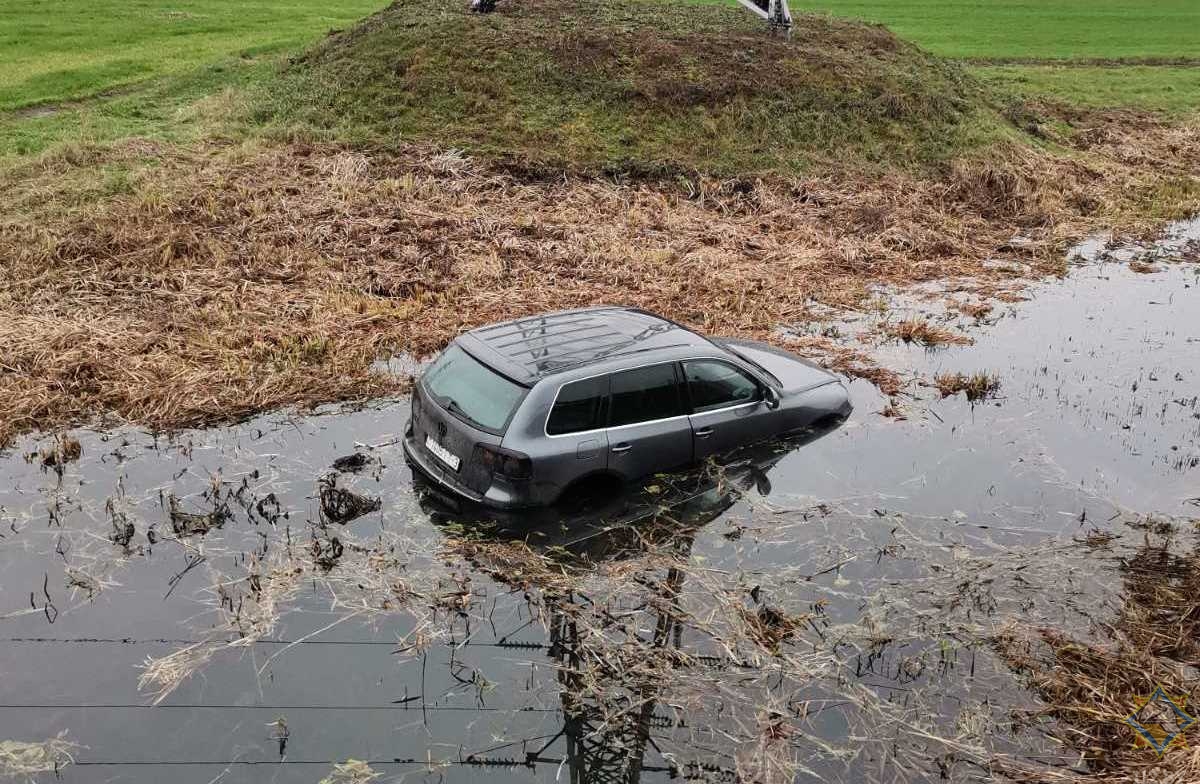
(340, 506)
(351, 771)
(352, 463)
(23, 761)
(190, 524)
(65, 449)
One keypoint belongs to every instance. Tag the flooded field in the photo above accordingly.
(276, 601)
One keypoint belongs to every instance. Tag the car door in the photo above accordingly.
(577, 437)
(648, 428)
(729, 408)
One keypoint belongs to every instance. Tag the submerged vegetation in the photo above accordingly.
(1093, 687)
(24, 761)
(922, 332)
(756, 646)
(977, 386)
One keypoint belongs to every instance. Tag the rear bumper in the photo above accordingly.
(498, 496)
(436, 475)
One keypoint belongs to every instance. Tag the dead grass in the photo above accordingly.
(351, 771)
(237, 279)
(1089, 688)
(977, 386)
(923, 333)
(21, 761)
(976, 310)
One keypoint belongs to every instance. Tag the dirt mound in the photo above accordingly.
(630, 86)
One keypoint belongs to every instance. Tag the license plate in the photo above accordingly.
(442, 453)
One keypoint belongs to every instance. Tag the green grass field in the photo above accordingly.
(1034, 29)
(1072, 33)
(1174, 90)
(59, 50)
(97, 70)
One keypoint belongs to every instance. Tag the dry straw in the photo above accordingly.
(237, 279)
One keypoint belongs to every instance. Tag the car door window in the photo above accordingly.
(713, 384)
(644, 395)
(580, 406)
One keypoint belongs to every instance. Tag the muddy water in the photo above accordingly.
(903, 543)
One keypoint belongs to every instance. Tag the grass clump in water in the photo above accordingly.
(977, 386)
(23, 761)
(923, 333)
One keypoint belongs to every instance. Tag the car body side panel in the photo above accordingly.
(558, 460)
(647, 447)
(717, 432)
(803, 409)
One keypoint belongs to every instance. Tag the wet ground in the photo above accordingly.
(818, 611)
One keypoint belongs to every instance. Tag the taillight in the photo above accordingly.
(505, 462)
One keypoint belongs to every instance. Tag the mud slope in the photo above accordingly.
(626, 85)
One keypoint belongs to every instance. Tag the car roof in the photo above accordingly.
(532, 348)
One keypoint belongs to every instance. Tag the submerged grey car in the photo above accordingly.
(525, 412)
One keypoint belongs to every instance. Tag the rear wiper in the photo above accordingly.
(454, 408)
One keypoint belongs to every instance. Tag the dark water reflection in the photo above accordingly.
(863, 569)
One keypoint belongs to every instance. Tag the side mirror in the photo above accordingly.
(771, 398)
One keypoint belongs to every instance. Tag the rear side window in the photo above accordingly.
(579, 407)
(644, 395)
(714, 384)
(471, 390)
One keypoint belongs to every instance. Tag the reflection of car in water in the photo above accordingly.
(530, 411)
(598, 525)
(613, 726)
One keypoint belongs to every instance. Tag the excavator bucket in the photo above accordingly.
(776, 12)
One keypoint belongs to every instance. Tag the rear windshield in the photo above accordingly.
(467, 388)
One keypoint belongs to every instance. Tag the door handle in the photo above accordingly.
(703, 432)
(622, 447)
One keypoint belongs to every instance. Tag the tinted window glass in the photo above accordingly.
(579, 407)
(466, 387)
(717, 384)
(643, 395)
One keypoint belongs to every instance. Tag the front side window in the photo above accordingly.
(579, 407)
(644, 394)
(714, 384)
(471, 390)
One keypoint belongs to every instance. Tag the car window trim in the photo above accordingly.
(680, 378)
